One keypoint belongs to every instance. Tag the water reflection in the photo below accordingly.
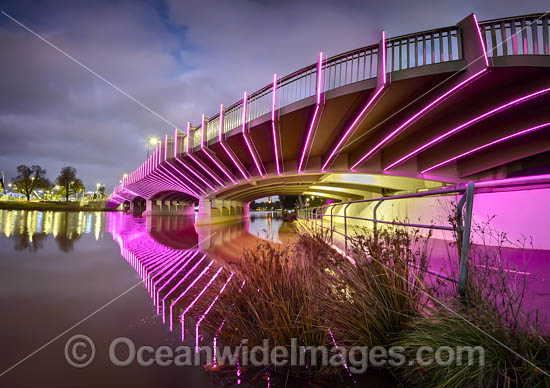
(29, 229)
(183, 266)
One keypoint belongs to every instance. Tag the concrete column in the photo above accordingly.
(216, 211)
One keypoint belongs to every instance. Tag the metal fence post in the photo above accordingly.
(374, 217)
(346, 228)
(468, 199)
(331, 231)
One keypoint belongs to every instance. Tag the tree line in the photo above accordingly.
(30, 179)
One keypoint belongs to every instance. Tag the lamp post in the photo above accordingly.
(152, 141)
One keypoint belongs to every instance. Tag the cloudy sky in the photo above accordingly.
(180, 58)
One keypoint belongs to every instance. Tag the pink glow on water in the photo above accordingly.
(203, 316)
(177, 285)
(186, 291)
(467, 124)
(176, 273)
(414, 117)
(181, 259)
(190, 305)
(494, 142)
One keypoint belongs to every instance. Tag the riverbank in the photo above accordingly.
(60, 206)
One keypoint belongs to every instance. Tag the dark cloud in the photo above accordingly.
(180, 58)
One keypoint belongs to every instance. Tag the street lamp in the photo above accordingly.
(152, 141)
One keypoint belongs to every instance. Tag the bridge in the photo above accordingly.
(462, 103)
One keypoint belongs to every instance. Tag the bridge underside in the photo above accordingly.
(409, 125)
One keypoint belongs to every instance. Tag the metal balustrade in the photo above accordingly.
(523, 35)
(423, 48)
(464, 215)
(402, 52)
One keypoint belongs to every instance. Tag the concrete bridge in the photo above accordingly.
(445, 106)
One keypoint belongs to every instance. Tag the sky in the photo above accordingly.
(179, 58)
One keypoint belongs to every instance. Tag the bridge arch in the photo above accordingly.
(411, 112)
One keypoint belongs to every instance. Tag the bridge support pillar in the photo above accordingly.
(217, 211)
(168, 208)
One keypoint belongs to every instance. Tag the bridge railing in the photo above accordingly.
(402, 52)
(317, 215)
(523, 35)
(424, 48)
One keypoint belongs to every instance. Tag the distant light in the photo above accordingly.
(153, 140)
(125, 175)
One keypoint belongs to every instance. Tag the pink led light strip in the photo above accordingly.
(247, 140)
(473, 150)
(314, 118)
(352, 128)
(465, 125)
(273, 129)
(413, 118)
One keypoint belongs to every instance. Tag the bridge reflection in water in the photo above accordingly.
(184, 267)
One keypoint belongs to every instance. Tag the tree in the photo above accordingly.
(68, 182)
(101, 192)
(29, 179)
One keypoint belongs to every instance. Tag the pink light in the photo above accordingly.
(203, 128)
(274, 132)
(473, 150)
(402, 127)
(309, 132)
(192, 171)
(188, 131)
(175, 142)
(246, 140)
(178, 284)
(190, 306)
(203, 316)
(181, 260)
(186, 291)
(482, 42)
(350, 129)
(217, 165)
(252, 153)
(314, 118)
(319, 75)
(229, 153)
(384, 75)
(243, 130)
(173, 277)
(172, 260)
(222, 117)
(465, 125)
(165, 147)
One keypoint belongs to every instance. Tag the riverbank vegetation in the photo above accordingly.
(382, 295)
(55, 205)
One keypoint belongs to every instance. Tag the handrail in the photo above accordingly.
(464, 221)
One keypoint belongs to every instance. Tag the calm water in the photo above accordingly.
(57, 268)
